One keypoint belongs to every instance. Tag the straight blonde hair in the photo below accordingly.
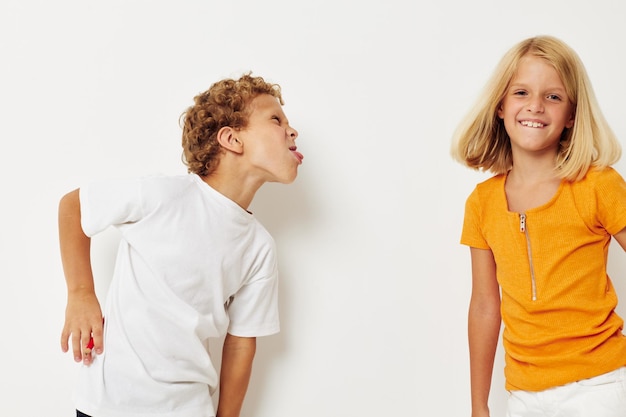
(482, 143)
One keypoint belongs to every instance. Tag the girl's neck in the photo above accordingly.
(531, 183)
(527, 176)
(533, 170)
(528, 187)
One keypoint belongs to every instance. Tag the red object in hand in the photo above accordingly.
(90, 343)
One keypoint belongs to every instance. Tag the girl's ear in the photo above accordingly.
(500, 111)
(570, 123)
(227, 138)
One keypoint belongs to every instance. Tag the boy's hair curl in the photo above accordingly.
(225, 103)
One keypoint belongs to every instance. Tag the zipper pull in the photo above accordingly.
(522, 222)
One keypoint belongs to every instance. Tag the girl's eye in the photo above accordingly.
(554, 97)
(519, 93)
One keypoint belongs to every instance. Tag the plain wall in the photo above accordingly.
(374, 284)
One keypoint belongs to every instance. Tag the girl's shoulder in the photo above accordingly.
(490, 191)
(596, 177)
(601, 197)
(491, 184)
(597, 187)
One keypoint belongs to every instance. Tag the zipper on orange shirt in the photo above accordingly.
(524, 229)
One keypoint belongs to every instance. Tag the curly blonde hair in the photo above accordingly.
(481, 141)
(225, 103)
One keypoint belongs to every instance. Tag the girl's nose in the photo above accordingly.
(535, 105)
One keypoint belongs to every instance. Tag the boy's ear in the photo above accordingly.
(227, 138)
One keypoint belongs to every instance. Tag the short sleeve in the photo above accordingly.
(611, 200)
(109, 203)
(472, 233)
(253, 310)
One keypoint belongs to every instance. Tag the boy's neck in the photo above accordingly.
(232, 188)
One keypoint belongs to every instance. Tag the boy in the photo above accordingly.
(192, 264)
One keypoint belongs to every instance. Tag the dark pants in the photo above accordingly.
(79, 414)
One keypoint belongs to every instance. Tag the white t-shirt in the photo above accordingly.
(191, 265)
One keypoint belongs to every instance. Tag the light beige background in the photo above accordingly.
(375, 286)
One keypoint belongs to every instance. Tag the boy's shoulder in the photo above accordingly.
(161, 188)
(168, 182)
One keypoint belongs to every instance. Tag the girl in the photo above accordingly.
(539, 233)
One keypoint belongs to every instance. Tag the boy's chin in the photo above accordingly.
(287, 179)
(284, 181)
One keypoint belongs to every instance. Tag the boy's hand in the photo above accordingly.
(84, 323)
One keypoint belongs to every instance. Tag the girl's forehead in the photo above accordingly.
(534, 68)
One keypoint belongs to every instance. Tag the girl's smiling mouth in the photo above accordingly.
(530, 123)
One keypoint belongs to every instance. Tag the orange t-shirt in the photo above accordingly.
(557, 300)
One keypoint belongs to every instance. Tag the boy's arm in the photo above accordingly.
(237, 356)
(83, 317)
(484, 322)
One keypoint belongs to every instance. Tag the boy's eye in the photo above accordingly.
(276, 118)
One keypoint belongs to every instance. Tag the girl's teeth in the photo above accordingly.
(532, 124)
